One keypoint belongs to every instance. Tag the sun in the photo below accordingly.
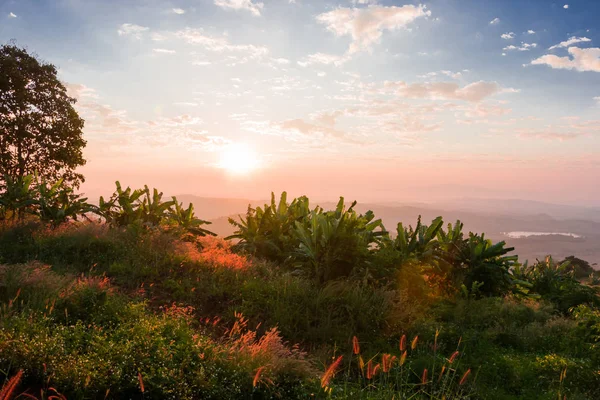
(238, 159)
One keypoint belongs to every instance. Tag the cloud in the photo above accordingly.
(597, 100)
(132, 30)
(219, 44)
(582, 60)
(179, 11)
(495, 21)
(450, 74)
(248, 5)
(163, 51)
(550, 135)
(508, 35)
(322, 58)
(566, 6)
(79, 91)
(473, 92)
(530, 32)
(12, 15)
(366, 25)
(572, 40)
(523, 47)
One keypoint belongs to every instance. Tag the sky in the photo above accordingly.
(373, 100)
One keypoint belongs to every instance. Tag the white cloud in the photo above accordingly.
(322, 58)
(530, 32)
(566, 6)
(597, 100)
(133, 30)
(179, 11)
(186, 104)
(523, 47)
(12, 15)
(219, 44)
(80, 91)
(572, 40)
(472, 92)
(366, 25)
(582, 60)
(450, 74)
(495, 21)
(201, 63)
(508, 35)
(248, 5)
(163, 51)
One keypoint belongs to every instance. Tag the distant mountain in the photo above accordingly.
(521, 207)
(493, 217)
(214, 207)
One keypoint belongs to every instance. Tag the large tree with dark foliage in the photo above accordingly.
(40, 131)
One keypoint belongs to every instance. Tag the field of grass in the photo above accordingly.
(91, 311)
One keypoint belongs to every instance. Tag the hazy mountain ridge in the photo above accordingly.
(493, 220)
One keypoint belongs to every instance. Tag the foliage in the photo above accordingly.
(126, 207)
(267, 232)
(17, 197)
(465, 261)
(58, 204)
(186, 219)
(337, 243)
(556, 283)
(581, 268)
(39, 127)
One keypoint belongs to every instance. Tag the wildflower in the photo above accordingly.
(257, 376)
(355, 345)
(403, 358)
(442, 373)
(370, 369)
(424, 377)
(413, 345)
(387, 360)
(330, 372)
(453, 357)
(464, 377)
(141, 382)
(403, 343)
(11, 385)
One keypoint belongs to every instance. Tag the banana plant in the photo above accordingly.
(57, 203)
(479, 259)
(186, 219)
(122, 208)
(336, 243)
(410, 244)
(268, 231)
(153, 209)
(17, 198)
(556, 282)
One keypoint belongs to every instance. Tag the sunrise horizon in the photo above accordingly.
(367, 99)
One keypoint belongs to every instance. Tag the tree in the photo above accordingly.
(40, 131)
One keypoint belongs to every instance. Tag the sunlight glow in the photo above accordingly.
(238, 159)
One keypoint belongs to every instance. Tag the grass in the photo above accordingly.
(92, 312)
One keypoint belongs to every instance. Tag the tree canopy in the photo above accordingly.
(40, 130)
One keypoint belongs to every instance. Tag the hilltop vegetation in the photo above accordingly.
(301, 302)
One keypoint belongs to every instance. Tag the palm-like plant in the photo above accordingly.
(57, 203)
(336, 243)
(126, 207)
(186, 219)
(268, 231)
(478, 259)
(556, 283)
(17, 197)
